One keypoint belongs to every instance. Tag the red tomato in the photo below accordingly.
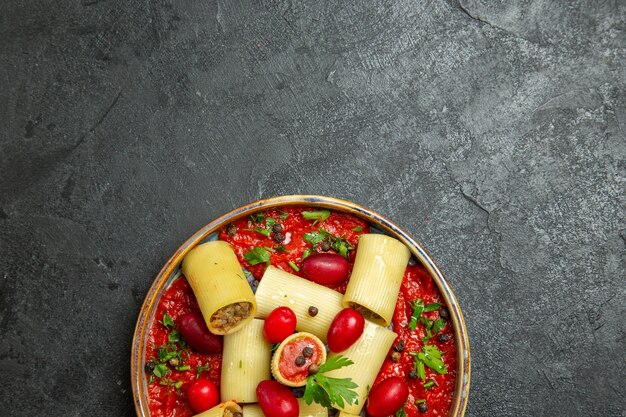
(277, 400)
(202, 395)
(346, 328)
(325, 268)
(195, 332)
(279, 324)
(387, 397)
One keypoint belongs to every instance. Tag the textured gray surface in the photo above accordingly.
(493, 131)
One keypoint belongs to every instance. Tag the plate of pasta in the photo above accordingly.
(300, 306)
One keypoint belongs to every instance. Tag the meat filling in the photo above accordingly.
(228, 317)
(365, 312)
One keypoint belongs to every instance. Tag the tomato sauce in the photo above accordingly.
(287, 363)
(168, 401)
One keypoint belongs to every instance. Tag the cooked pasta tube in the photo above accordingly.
(227, 409)
(220, 286)
(279, 288)
(342, 414)
(313, 410)
(245, 363)
(376, 277)
(368, 354)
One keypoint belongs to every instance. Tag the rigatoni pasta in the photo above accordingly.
(220, 286)
(376, 277)
(368, 354)
(226, 409)
(252, 410)
(279, 288)
(245, 363)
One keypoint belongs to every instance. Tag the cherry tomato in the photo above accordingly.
(346, 328)
(195, 332)
(202, 395)
(325, 268)
(387, 397)
(276, 400)
(279, 324)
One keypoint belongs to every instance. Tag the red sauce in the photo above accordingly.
(166, 401)
(287, 363)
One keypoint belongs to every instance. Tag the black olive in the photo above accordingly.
(278, 237)
(423, 407)
(300, 361)
(307, 352)
(399, 347)
(313, 311)
(444, 313)
(277, 228)
(413, 374)
(325, 246)
(395, 357)
(313, 369)
(443, 338)
(149, 366)
(231, 229)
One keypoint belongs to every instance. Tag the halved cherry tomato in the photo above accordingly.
(346, 328)
(387, 397)
(195, 332)
(325, 268)
(202, 395)
(279, 324)
(277, 400)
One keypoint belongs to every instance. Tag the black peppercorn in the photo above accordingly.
(395, 357)
(313, 311)
(422, 407)
(313, 369)
(149, 366)
(443, 338)
(300, 361)
(279, 237)
(325, 245)
(231, 229)
(412, 374)
(277, 228)
(307, 352)
(399, 347)
(412, 261)
(444, 313)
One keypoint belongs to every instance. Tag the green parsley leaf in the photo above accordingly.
(160, 370)
(183, 368)
(167, 321)
(438, 325)
(338, 389)
(174, 337)
(306, 253)
(319, 215)
(257, 255)
(432, 307)
(431, 357)
(202, 368)
(315, 237)
(280, 248)
(420, 401)
(262, 231)
(401, 412)
(178, 384)
(418, 308)
(315, 393)
(283, 216)
(269, 222)
(421, 371)
(334, 362)
(257, 218)
(293, 266)
(358, 229)
(429, 385)
(328, 391)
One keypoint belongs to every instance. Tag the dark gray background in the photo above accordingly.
(493, 131)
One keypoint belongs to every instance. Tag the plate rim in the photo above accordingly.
(462, 383)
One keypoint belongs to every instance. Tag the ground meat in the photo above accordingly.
(365, 312)
(228, 317)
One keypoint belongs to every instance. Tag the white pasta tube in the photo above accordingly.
(313, 410)
(226, 409)
(342, 414)
(279, 288)
(368, 354)
(220, 286)
(376, 277)
(245, 363)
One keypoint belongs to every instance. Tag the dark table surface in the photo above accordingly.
(493, 131)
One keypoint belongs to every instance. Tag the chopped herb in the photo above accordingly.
(178, 384)
(429, 384)
(283, 215)
(359, 229)
(293, 265)
(418, 308)
(314, 237)
(438, 325)
(339, 244)
(306, 254)
(432, 307)
(167, 321)
(269, 222)
(319, 215)
(401, 412)
(202, 368)
(183, 368)
(431, 357)
(160, 370)
(257, 255)
(420, 401)
(257, 218)
(174, 337)
(281, 248)
(262, 231)
(328, 391)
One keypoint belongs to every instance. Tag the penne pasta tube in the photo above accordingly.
(220, 286)
(368, 354)
(279, 288)
(227, 409)
(376, 277)
(245, 363)
(313, 410)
